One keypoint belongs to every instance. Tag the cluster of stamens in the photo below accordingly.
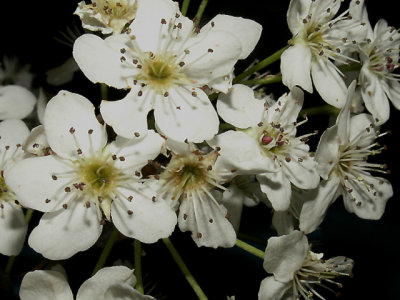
(352, 163)
(318, 272)
(112, 10)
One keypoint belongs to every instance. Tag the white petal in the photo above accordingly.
(63, 233)
(272, 289)
(286, 110)
(129, 115)
(285, 255)
(328, 151)
(212, 54)
(233, 200)
(242, 152)
(45, 285)
(317, 203)
(100, 60)
(137, 152)
(278, 189)
(368, 198)
(36, 143)
(283, 222)
(343, 119)
(240, 108)
(374, 96)
(16, 102)
(297, 11)
(123, 292)
(41, 105)
(392, 90)
(69, 110)
(12, 133)
(328, 82)
(247, 31)
(183, 116)
(142, 218)
(207, 221)
(31, 180)
(360, 123)
(147, 26)
(13, 228)
(96, 286)
(296, 66)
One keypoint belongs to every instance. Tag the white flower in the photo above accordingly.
(16, 102)
(108, 283)
(165, 62)
(265, 143)
(342, 162)
(107, 16)
(63, 73)
(11, 72)
(13, 227)
(379, 55)
(87, 179)
(297, 271)
(318, 39)
(189, 181)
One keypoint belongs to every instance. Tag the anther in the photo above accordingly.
(163, 21)
(199, 235)
(210, 50)
(129, 212)
(90, 131)
(130, 198)
(114, 157)
(153, 198)
(65, 206)
(140, 93)
(121, 158)
(72, 130)
(67, 189)
(185, 216)
(137, 134)
(194, 94)
(87, 204)
(166, 94)
(54, 177)
(47, 200)
(137, 173)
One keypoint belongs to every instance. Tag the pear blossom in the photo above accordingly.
(165, 61)
(16, 102)
(265, 143)
(108, 283)
(342, 155)
(379, 55)
(297, 271)
(13, 227)
(190, 183)
(319, 40)
(87, 181)
(107, 16)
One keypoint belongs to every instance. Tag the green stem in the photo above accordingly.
(266, 80)
(185, 6)
(350, 68)
(262, 64)
(138, 266)
(200, 11)
(106, 251)
(320, 110)
(181, 264)
(104, 91)
(249, 248)
(11, 259)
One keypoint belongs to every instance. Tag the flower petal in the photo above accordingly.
(240, 108)
(328, 82)
(28, 178)
(318, 201)
(123, 292)
(45, 285)
(283, 222)
(368, 198)
(272, 289)
(295, 67)
(63, 73)
(247, 31)
(278, 189)
(16, 102)
(63, 233)
(207, 220)
(146, 217)
(212, 54)
(128, 117)
(13, 228)
(328, 151)
(360, 123)
(137, 152)
(67, 121)
(100, 60)
(12, 133)
(285, 255)
(186, 115)
(97, 285)
(233, 200)
(36, 143)
(297, 11)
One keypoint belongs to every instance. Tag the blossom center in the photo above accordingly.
(113, 9)
(98, 175)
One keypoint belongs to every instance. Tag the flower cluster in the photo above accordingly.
(188, 141)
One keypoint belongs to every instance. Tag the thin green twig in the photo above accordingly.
(249, 248)
(106, 251)
(262, 64)
(138, 266)
(181, 264)
(266, 80)
(185, 6)
(200, 11)
(320, 110)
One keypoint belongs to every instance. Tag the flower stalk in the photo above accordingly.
(249, 248)
(106, 251)
(138, 266)
(185, 6)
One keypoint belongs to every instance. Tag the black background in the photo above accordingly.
(28, 29)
